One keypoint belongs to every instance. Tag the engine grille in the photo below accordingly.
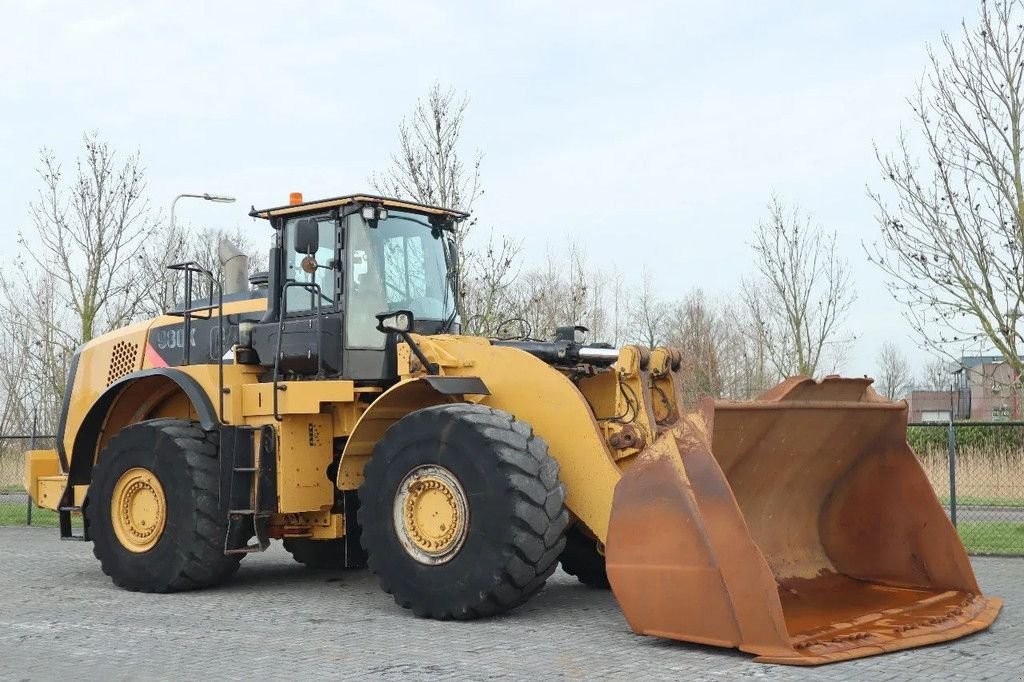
(123, 360)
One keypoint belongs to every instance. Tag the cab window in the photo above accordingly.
(301, 301)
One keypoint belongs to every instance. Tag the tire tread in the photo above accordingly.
(201, 559)
(539, 518)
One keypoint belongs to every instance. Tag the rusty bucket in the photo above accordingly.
(798, 527)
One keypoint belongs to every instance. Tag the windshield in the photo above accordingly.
(397, 265)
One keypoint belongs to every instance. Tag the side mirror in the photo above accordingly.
(399, 322)
(307, 236)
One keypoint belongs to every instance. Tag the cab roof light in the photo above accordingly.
(370, 212)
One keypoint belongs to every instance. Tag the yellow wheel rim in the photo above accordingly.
(431, 514)
(138, 509)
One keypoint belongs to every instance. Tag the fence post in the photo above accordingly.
(951, 446)
(32, 446)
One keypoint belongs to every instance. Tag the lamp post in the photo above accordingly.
(206, 196)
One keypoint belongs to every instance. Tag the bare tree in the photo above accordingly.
(646, 314)
(693, 327)
(893, 379)
(430, 166)
(556, 294)
(33, 362)
(91, 231)
(80, 268)
(614, 306)
(936, 375)
(488, 293)
(801, 294)
(600, 317)
(164, 290)
(952, 224)
(743, 358)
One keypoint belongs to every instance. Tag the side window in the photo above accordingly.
(365, 289)
(300, 300)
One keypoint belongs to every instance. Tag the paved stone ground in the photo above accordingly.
(60, 618)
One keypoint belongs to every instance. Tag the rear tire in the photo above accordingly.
(181, 461)
(582, 560)
(345, 552)
(462, 512)
(326, 554)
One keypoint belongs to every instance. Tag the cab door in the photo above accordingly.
(312, 300)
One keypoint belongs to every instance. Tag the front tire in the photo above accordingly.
(154, 509)
(462, 512)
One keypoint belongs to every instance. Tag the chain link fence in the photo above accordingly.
(15, 507)
(976, 468)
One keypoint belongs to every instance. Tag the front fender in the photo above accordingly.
(526, 388)
(396, 402)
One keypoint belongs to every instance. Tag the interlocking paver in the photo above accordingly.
(60, 618)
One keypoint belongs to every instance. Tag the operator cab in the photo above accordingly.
(335, 265)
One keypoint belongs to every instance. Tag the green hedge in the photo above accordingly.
(996, 437)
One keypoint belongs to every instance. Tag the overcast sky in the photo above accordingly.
(651, 133)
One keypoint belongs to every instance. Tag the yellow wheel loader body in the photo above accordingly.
(798, 527)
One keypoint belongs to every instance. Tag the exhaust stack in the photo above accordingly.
(236, 267)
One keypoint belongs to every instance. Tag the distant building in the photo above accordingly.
(933, 406)
(980, 391)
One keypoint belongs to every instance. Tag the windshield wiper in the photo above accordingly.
(393, 216)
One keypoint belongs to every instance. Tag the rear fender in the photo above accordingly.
(150, 393)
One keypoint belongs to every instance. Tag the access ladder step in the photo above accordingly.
(66, 531)
(248, 485)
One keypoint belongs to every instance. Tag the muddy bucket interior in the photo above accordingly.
(799, 527)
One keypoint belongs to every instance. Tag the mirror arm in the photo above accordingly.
(431, 367)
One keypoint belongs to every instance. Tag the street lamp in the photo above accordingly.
(206, 196)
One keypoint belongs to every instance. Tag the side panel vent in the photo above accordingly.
(123, 359)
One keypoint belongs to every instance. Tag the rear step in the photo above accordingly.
(248, 485)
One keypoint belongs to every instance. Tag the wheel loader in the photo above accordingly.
(335, 406)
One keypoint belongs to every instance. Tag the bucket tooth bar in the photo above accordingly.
(798, 527)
